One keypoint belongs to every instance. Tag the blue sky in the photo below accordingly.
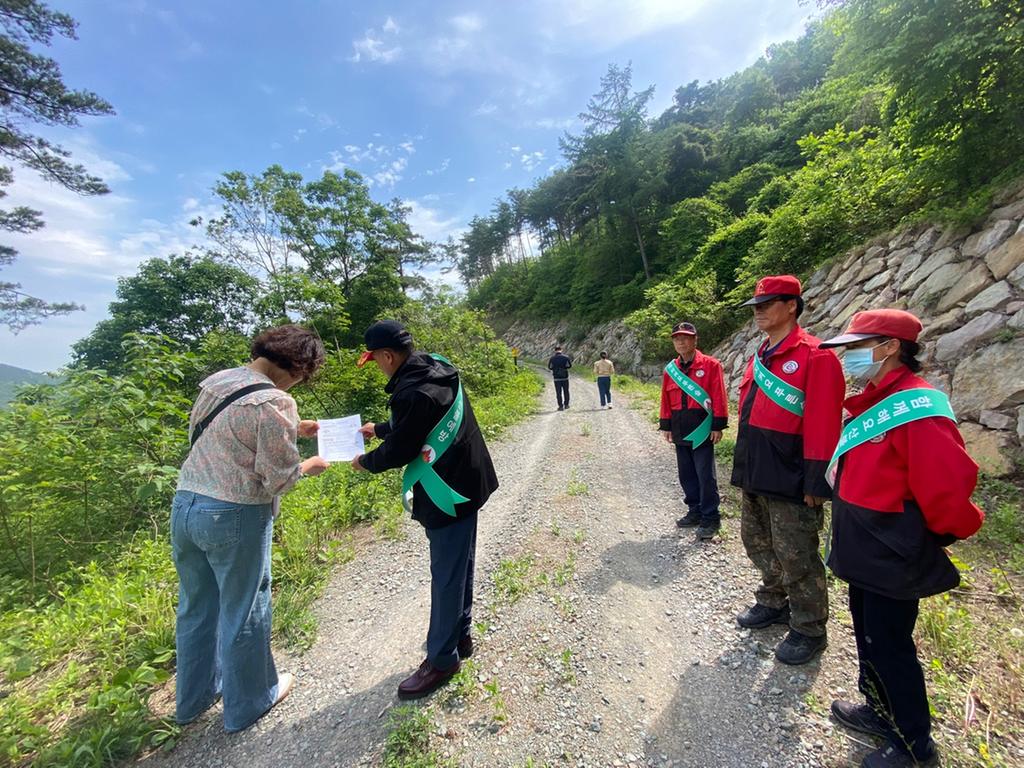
(445, 105)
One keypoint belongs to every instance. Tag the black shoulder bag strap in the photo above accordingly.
(224, 404)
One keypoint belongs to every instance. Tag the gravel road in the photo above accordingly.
(610, 640)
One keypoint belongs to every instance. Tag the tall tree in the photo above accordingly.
(182, 297)
(607, 153)
(32, 92)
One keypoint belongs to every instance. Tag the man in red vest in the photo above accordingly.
(694, 411)
(791, 399)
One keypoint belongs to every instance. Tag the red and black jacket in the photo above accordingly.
(778, 453)
(900, 499)
(680, 413)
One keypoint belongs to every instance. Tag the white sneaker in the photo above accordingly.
(609, 406)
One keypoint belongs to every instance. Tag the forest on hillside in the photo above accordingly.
(884, 111)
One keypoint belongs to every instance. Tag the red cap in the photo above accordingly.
(684, 329)
(364, 358)
(772, 287)
(872, 323)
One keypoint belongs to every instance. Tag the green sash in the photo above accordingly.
(420, 470)
(694, 390)
(894, 411)
(778, 391)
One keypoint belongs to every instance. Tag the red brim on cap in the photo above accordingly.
(364, 358)
(684, 333)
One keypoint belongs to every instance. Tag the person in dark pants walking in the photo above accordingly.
(604, 369)
(902, 494)
(448, 476)
(559, 365)
(694, 411)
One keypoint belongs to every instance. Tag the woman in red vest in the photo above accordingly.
(902, 494)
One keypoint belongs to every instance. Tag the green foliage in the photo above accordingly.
(691, 223)
(736, 192)
(728, 248)
(181, 297)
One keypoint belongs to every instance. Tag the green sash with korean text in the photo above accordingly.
(781, 393)
(894, 411)
(421, 470)
(694, 390)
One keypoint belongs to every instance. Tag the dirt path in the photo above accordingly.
(609, 639)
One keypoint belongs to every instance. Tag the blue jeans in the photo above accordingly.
(604, 388)
(222, 555)
(452, 558)
(699, 479)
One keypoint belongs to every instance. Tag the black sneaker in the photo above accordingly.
(860, 717)
(707, 532)
(758, 616)
(893, 756)
(561, 408)
(689, 520)
(798, 648)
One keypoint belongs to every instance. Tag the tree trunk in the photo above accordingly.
(640, 242)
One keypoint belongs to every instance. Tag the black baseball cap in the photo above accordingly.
(384, 334)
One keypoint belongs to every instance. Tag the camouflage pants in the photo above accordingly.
(781, 539)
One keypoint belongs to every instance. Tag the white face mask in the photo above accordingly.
(860, 365)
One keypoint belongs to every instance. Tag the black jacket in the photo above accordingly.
(422, 390)
(559, 366)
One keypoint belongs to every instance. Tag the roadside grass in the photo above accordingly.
(576, 487)
(971, 640)
(408, 743)
(79, 667)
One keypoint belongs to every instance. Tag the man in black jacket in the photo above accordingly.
(433, 433)
(559, 365)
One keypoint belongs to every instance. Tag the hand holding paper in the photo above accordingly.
(340, 439)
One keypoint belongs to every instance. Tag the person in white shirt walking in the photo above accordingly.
(603, 369)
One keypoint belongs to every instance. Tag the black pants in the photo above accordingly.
(452, 557)
(699, 479)
(562, 392)
(890, 674)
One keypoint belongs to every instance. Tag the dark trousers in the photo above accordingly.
(890, 674)
(562, 392)
(604, 389)
(699, 479)
(452, 558)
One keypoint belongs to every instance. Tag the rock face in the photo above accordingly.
(967, 286)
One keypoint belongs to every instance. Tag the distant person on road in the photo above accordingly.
(902, 493)
(243, 457)
(559, 365)
(694, 411)
(604, 369)
(515, 356)
(433, 434)
(791, 400)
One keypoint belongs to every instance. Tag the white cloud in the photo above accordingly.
(507, 165)
(467, 23)
(487, 108)
(441, 168)
(408, 146)
(432, 223)
(607, 23)
(390, 174)
(471, 179)
(373, 46)
(531, 160)
(561, 124)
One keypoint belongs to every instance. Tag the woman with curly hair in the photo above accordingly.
(243, 457)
